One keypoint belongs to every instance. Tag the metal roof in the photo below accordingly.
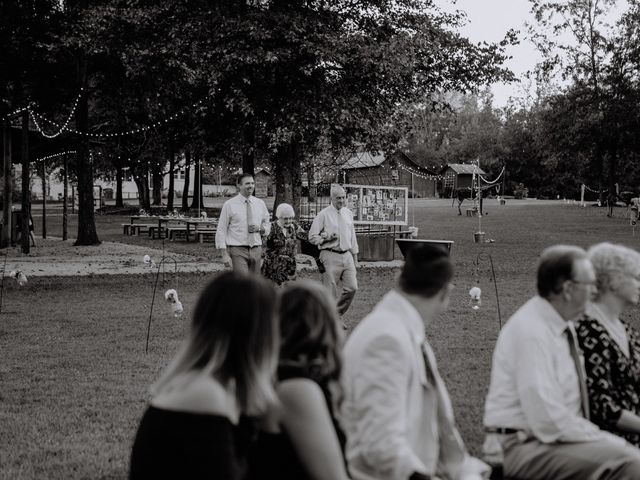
(465, 168)
(364, 160)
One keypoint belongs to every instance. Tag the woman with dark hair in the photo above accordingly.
(224, 369)
(299, 436)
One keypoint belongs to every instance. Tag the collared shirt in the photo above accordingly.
(534, 384)
(331, 221)
(397, 421)
(232, 228)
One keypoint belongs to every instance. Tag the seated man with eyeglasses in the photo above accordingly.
(537, 409)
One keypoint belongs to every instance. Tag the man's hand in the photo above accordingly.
(226, 259)
(355, 260)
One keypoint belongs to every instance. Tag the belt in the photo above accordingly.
(501, 430)
(336, 251)
(244, 246)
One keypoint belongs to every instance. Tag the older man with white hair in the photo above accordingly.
(332, 230)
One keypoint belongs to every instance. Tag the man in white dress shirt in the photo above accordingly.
(396, 411)
(243, 221)
(333, 231)
(537, 408)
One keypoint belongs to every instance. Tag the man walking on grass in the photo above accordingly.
(333, 231)
(244, 220)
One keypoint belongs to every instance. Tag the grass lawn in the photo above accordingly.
(74, 374)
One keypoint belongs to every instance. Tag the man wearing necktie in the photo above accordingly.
(537, 408)
(243, 222)
(396, 410)
(333, 231)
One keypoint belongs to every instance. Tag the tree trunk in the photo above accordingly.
(7, 194)
(187, 179)
(196, 202)
(248, 160)
(172, 166)
(65, 193)
(26, 194)
(87, 234)
(287, 172)
(44, 200)
(156, 183)
(119, 175)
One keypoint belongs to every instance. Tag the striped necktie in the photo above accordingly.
(575, 355)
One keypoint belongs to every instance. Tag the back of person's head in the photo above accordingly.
(309, 330)
(233, 337)
(427, 270)
(556, 266)
(613, 265)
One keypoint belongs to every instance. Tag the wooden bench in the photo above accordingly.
(208, 233)
(140, 228)
(174, 232)
(471, 212)
(156, 231)
(126, 229)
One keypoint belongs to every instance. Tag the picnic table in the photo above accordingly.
(200, 224)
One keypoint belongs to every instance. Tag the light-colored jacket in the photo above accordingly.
(397, 418)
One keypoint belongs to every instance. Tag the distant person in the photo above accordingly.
(243, 221)
(396, 412)
(333, 231)
(611, 345)
(300, 438)
(461, 197)
(279, 263)
(223, 370)
(537, 408)
(19, 229)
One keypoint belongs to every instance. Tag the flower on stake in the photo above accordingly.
(475, 293)
(20, 277)
(171, 296)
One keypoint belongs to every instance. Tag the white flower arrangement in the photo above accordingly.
(475, 293)
(148, 261)
(171, 296)
(203, 215)
(20, 277)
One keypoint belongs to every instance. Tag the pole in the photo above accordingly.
(73, 198)
(413, 208)
(26, 200)
(44, 200)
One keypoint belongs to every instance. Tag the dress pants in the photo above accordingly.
(245, 259)
(340, 267)
(598, 460)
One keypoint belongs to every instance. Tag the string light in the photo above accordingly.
(15, 112)
(48, 157)
(420, 174)
(108, 135)
(64, 125)
(493, 181)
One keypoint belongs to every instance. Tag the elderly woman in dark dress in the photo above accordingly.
(611, 346)
(279, 263)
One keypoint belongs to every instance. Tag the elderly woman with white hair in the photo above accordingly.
(280, 255)
(611, 346)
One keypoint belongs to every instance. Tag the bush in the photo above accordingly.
(520, 191)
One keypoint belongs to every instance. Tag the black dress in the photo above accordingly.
(171, 444)
(273, 455)
(613, 379)
(280, 255)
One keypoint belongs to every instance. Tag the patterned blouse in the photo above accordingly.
(280, 255)
(613, 379)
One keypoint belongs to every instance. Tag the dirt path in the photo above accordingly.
(53, 258)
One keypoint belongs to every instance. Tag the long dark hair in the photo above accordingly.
(310, 334)
(234, 338)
